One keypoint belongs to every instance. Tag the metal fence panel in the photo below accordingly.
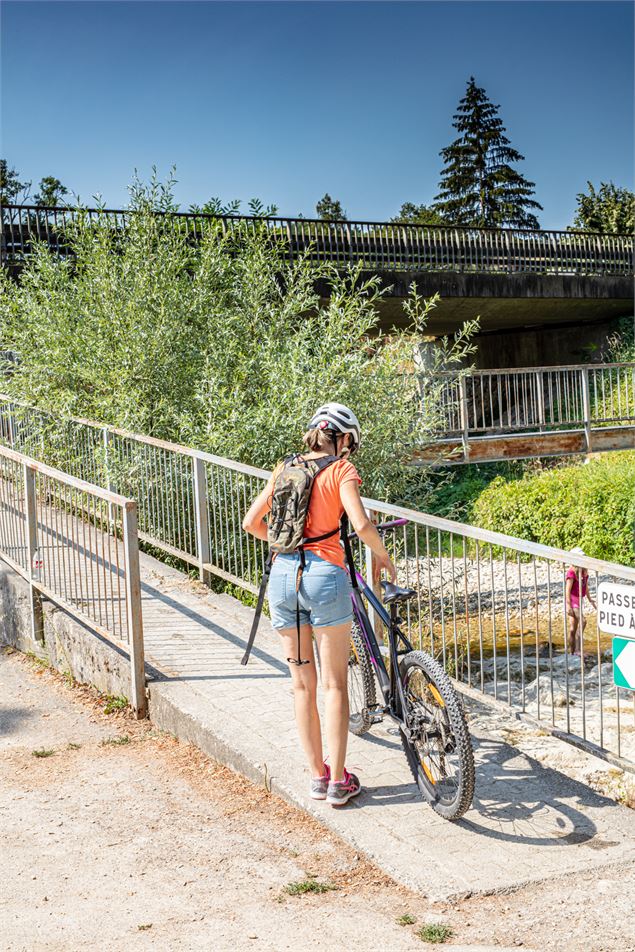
(77, 545)
(382, 246)
(490, 607)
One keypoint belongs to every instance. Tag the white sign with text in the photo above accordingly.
(616, 609)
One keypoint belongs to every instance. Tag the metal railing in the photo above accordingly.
(541, 399)
(489, 606)
(77, 545)
(377, 246)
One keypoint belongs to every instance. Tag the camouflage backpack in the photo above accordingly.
(292, 488)
(290, 501)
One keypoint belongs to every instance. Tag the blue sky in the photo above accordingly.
(285, 101)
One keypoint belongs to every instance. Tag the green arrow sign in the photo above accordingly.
(624, 663)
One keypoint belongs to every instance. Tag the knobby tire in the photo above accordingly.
(450, 807)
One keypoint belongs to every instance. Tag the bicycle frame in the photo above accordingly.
(389, 684)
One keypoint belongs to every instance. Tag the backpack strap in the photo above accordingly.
(261, 599)
(348, 551)
(322, 463)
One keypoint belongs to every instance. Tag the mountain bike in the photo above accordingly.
(415, 692)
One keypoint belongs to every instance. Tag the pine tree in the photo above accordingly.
(478, 184)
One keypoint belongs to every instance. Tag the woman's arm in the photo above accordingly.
(352, 502)
(254, 521)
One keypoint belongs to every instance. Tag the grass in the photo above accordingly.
(43, 752)
(73, 746)
(142, 928)
(406, 920)
(114, 703)
(435, 932)
(36, 660)
(308, 885)
(115, 741)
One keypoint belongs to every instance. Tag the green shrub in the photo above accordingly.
(589, 505)
(220, 344)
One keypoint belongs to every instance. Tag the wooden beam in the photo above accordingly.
(489, 449)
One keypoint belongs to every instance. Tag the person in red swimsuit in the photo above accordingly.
(576, 590)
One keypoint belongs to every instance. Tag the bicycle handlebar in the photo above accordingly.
(384, 527)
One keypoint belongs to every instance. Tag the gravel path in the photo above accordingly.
(145, 843)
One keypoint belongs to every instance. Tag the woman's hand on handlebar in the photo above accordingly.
(381, 563)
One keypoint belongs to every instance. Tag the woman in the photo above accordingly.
(576, 577)
(324, 596)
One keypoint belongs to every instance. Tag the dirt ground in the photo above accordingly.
(117, 836)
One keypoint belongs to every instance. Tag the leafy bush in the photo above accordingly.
(589, 505)
(455, 489)
(219, 343)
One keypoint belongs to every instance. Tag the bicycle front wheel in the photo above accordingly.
(439, 749)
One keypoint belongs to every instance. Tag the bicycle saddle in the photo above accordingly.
(393, 593)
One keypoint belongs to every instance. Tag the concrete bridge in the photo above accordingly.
(514, 279)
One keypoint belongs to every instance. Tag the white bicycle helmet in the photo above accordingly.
(335, 416)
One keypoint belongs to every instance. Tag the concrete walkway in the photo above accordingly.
(528, 823)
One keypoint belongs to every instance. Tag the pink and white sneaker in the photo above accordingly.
(320, 785)
(341, 791)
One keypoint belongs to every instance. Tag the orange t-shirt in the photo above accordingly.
(326, 510)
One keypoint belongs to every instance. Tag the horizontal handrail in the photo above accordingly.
(545, 368)
(72, 481)
(380, 246)
(499, 540)
(344, 222)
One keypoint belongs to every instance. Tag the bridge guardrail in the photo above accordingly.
(76, 544)
(491, 607)
(377, 246)
(538, 398)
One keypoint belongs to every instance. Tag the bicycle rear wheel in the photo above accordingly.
(439, 749)
(362, 697)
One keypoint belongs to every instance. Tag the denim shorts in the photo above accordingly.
(325, 592)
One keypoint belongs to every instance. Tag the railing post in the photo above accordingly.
(133, 610)
(202, 519)
(37, 616)
(465, 429)
(370, 565)
(11, 427)
(107, 479)
(540, 397)
(586, 407)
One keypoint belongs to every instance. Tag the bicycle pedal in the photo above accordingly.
(376, 718)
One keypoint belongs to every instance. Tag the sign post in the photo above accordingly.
(616, 616)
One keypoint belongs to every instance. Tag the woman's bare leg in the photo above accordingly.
(334, 647)
(304, 679)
